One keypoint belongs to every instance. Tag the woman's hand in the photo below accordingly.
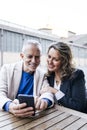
(20, 110)
(48, 89)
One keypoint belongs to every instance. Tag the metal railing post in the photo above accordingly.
(1, 44)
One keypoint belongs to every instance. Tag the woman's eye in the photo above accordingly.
(57, 59)
(49, 56)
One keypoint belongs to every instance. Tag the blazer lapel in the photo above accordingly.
(17, 77)
(36, 80)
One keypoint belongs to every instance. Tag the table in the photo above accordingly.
(56, 118)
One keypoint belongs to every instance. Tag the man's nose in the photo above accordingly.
(33, 59)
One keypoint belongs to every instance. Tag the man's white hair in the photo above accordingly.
(31, 42)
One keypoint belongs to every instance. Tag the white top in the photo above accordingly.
(59, 94)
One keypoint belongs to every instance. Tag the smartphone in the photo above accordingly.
(28, 99)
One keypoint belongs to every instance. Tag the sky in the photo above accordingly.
(60, 15)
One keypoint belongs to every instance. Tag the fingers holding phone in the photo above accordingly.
(28, 99)
(20, 110)
(23, 111)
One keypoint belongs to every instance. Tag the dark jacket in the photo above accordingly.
(74, 90)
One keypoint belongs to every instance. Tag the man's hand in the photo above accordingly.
(20, 110)
(41, 104)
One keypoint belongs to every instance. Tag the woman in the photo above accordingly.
(67, 83)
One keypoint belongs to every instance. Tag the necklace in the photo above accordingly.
(57, 82)
(57, 79)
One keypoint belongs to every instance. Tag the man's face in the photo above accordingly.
(31, 58)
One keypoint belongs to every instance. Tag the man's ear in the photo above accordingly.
(21, 55)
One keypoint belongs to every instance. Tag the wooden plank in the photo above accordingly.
(71, 111)
(83, 127)
(76, 125)
(64, 123)
(5, 117)
(47, 111)
(9, 121)
(2, 113)
(34, 123)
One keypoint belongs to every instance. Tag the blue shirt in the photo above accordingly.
(26, 84)
(25, 87)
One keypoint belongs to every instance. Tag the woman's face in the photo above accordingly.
(53, 60)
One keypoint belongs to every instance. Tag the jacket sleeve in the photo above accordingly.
(75, 93)
(47, 95)
(3, 86)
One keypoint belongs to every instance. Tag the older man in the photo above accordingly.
(24, 78)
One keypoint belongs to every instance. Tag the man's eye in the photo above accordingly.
(37, 57)
(29, 57)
